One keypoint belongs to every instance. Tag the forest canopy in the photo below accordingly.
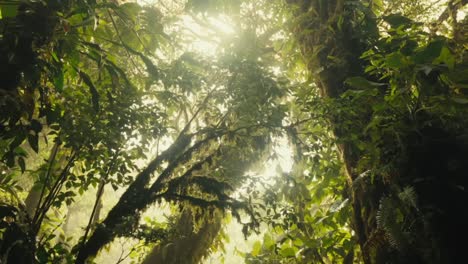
(233, 131)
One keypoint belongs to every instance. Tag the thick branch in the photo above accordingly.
(130, 202)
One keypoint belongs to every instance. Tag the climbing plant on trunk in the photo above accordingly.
(392, 85)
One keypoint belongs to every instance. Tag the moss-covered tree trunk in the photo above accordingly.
(332, 35)
(190, 242)
(331, 76)
(125, 213)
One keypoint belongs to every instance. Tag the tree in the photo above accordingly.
(370, 94)
(92, 124)
(396, 84)
(203, 166)
(70, 91)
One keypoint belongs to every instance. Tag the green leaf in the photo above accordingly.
(459, 100)
(268, 242)
(130, 9)
(36, 126)
(377, 6)
(18, 140)
(395, 60)
(8, 10)
(257, 247)
(34, 142)
(22, 164)
(396, 21)
(409, 47)
(20, 152)
(58, 81)
(399, 216)
(9, 159)
(94, 93)
(287, 252)
(359, 82)
(298, 242)
(458, 77)
(150, 67)
(429, 53)
(446, 58)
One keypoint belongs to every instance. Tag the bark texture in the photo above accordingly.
(433, 161)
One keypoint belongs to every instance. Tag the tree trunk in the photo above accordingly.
(330, 80)
(99, 194)
(434, 155)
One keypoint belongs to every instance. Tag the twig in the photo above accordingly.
(51, 161)
(51, 232)
(98, 197)
(40, 214)
(121, 40)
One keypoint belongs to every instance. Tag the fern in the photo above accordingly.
(408, 197)
(396, 217)
(389, 219)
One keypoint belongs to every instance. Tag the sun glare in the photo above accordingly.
(284, 158)
(222, 24)
(273, 168)
(204, 35)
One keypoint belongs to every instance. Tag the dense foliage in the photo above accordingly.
(178, 107)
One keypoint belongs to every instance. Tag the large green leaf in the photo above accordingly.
(359, 82)
(9, 9)
(33, 141)
(459, 77)
(58, 81)
(268, 241)
(460, 100)
(257, 247)
(396, 20)
(22, 164)
(395, 60)
(445, 57)
(429, 52)
(288, 252)
(94, 93)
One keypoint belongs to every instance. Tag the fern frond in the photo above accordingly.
(389, 218)
(408, 197)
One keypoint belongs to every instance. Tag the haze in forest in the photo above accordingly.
(234, 131)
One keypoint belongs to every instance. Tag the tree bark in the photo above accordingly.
(427, 154)
(99, 194)
(330, 81)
